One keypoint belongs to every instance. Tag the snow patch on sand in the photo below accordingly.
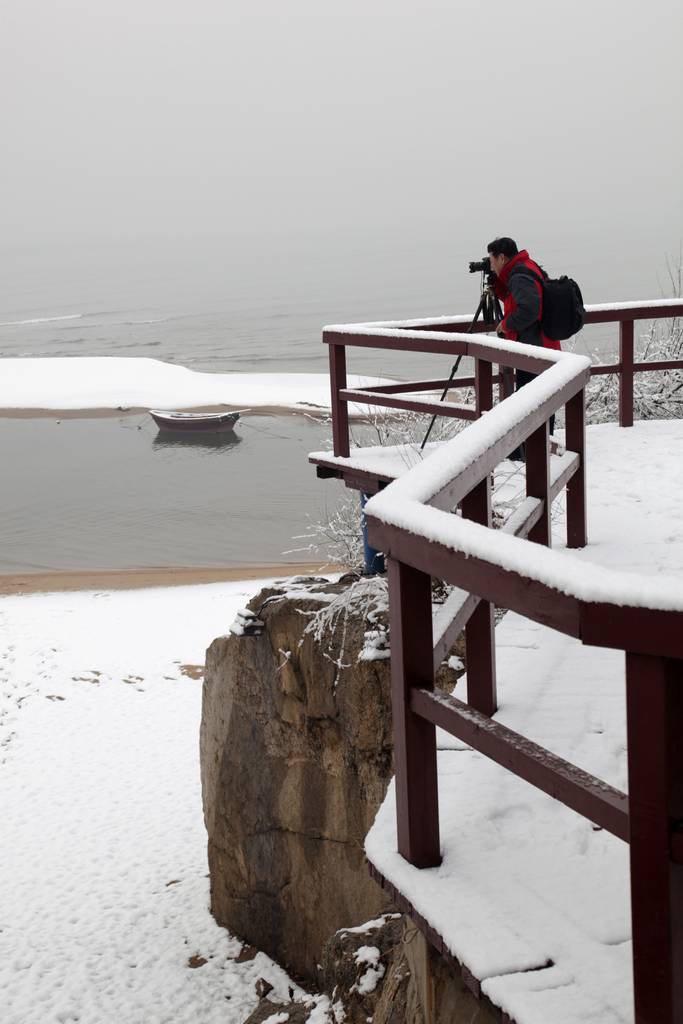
(120, 382)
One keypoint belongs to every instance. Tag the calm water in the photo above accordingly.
(100, 493)
(259, 306)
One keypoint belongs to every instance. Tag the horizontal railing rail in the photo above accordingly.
(445, 336)
(600, 803)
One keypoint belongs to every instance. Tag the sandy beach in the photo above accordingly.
(137, 579)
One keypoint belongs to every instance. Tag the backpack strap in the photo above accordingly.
(528, 272)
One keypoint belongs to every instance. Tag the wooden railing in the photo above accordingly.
(440, 335)
(411, 521)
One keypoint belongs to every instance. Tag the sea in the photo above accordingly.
(110, 493)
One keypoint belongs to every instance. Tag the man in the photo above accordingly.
(522, 296)
(521, 293)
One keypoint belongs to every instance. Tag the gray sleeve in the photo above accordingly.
(524, 291)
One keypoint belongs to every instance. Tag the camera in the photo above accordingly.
(481, 265)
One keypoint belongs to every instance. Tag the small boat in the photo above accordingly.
(195, 422)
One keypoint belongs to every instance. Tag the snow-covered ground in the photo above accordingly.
(121, 382)
(104, 902)
(104, 899)
(530, 896)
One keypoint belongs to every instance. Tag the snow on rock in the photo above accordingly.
(366, 598)
(324, 1013)
(246, 623)
(376, 646)
(369, 926)
(106, 917)
(368, 956)
(301, 1010)
(102, 382)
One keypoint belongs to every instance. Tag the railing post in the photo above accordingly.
(654, 705)
(340, 410)
(483, 385)
(480, 641)
(575, 441)
(506, 382)
(538, 481)
(626, 373)
(417, 801)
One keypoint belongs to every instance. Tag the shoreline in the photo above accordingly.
(59, 580)
(105, 412)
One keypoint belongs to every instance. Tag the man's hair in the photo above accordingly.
(503, 247)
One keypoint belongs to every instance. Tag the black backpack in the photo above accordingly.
(563, 312)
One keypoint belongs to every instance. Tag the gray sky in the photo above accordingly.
(126, 119)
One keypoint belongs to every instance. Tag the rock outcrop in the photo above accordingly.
(296, 754)
(362, 970)
(384, 972)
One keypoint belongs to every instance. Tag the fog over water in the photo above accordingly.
(211, 182)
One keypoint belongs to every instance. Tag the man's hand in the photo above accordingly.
(500, 330)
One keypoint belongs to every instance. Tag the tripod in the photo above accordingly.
(491, 314)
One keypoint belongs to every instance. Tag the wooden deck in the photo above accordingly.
(411, 522)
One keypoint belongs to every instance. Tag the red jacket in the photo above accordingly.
(522, 298)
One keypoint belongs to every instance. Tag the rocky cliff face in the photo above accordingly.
(296, 755)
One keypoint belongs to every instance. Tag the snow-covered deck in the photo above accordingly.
(530, 897)
(368, 467)
(376, 462)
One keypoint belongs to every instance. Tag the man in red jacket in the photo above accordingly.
(516, 281)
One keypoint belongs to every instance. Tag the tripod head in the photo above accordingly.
(489, 306)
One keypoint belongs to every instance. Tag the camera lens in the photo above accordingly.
(481, 265)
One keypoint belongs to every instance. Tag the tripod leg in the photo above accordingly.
(454, 370)
(479, 311)
(485, 308)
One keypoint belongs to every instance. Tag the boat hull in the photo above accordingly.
(195, 423)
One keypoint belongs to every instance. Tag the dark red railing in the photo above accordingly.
(410, 336)
(411, 522)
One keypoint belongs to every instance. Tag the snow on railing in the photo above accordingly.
(443, 335)
(450, 473)
(621, 310)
